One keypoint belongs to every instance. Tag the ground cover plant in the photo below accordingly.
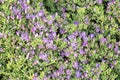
(59, 39)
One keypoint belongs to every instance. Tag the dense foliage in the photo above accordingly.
(59, 40)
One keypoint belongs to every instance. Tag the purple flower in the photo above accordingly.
(102, 31)
(54, 47)
(19, 16)
(85, 74)
(81, 51)
(35, 77)
(33, 29)
(116, 45)
(50, 22)
(111, 65)
(75, 34)
(32, 52)
(74, 45)
(24, 50)
(103, 60)
(76, 22)
(35, 62)
(66, 40)
(28, 55)
(61, 69)
(46, 77)
(24, 5)
(49, 45)
(40, 46)
(92, 36)
(71, 37)
(97, 29)
(18, 32)
(118, 29)
(68, 72)
(113, 1)
(86, 21)
(13, 17)
(110, 46)
(75, 65)
(40, 13)
(63, 10)
(100, 1)
(52, 35)
(103, 40)
(24, 1)
(62, 53)
(1, 49)
(41, 4)
(14, 10)
(19, 1)
(62, 31)
(91, 79)
(85, 39)
(56, 1)
(43, 56)
(75, 55)
(78, 74)
(116, 50)
(80, 67)
(83, 34)
(68, 77)
(56, 73)
(85, 43)
(25, 36)
(115, 62)
(46, 40)
(1, 35)
(67, 54)
(97, 65)
(64, 15)
(29, 16)
(44, 19)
